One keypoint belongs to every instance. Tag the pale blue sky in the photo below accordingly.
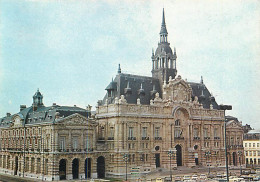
(70, 49)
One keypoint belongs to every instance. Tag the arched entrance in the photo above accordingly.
(15, 165)
(101, 167)
(178, 155)
(75, 168)
(234, 158)
(62, 169)
(88, 167)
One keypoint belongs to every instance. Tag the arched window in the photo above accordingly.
(177, 122)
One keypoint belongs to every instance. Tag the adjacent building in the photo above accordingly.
(47, 143)
(251, 145)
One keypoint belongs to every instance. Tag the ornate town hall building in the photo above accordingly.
(140, 118)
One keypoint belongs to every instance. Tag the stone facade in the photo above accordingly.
(142, 122)
(58, 146)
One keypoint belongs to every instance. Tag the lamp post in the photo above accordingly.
(170, 154)
(224, 108)
(125, 158)
(208, 154)
(240, 153)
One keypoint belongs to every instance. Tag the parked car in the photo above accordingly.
(194, 177)
(159, 180)
(186, 177)
(245, 172)
(177, 178)
(167, 179)
(203, 176)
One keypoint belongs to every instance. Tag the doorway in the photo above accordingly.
(101, 167)
(75, 168)
(16, 166)
(157, 160)
(88, 168)
(178, 155)
(62, 169)
(234, 158)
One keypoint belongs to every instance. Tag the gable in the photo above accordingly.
(177, 90)
(75, 119)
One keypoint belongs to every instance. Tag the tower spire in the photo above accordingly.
(163, 32)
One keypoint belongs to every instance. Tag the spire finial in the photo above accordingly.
(163, 18)
(201, 80)
(119, 69)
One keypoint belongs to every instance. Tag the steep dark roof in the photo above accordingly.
(43, 114)
(205, 98)
(149, 84)
(134, 81)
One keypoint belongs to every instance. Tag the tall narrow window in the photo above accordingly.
(196, 132)
(62, 143)
(144, 132)
(205, 132)
(215, 132)
(157, 132)
(75, 143)
(88, 145)
(112, 132)
(131, 131)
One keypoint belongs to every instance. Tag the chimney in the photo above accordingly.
(34, 107)
(8, 114)
(22, 107)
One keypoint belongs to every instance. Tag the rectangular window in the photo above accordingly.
(245, 144)
(144, 132)
(246, 153)
(257, 144)
(157, 132)
(249, 144)
(215, 132)
(75, 143)
(62, 143)
(111, 131)
(133, 158)
(196, 132)
(177, 132)
(205, 132)
(253, 144)
(88, 144)
(131, 130)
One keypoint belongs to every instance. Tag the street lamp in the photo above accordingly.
(170, 154)
(240, 153)
(125, 158)
(208, 154)
(224, 108)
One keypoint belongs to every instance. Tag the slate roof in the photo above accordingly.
(205, 98)
(149, 84)
(122, 80)
(43, 114)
